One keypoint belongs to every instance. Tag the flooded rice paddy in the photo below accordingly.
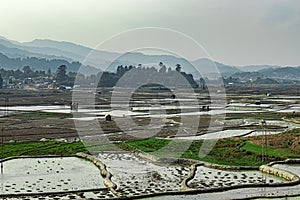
(135, 176)
(49, 175)
(213, 178)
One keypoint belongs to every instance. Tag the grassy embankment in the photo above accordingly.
(52, 148)
(232, 151)
(226, 151)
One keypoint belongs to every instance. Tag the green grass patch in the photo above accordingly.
(148, 145)
(41, 148)
(57, 148)
(105, 146)
(160, 147)
(270, 151)
(225, 151)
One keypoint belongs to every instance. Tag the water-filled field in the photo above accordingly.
(49, 175)
(206, 178)
(135, 176)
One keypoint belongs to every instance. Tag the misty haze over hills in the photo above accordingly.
(45, 54)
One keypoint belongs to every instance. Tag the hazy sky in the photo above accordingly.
(237, 32)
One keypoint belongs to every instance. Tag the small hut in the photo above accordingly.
(108, 117)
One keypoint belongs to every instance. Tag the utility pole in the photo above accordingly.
(2, 152)
(2, 142)
(2, 132)
(263, 148)
(263, 140)
(6, 114)
(1, 178)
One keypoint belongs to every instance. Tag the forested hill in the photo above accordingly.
(42, 64)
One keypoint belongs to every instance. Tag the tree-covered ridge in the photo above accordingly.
(132, 76)
(35, 63)
(42, 64)
(128, 75)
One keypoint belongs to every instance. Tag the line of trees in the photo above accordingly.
(142, 74)
(60, 77)
(102, 79)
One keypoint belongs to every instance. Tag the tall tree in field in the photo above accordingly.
(1, 81)
(61, 74)
(178, 67)
(49, 71)
(163, 68)
(27, 71)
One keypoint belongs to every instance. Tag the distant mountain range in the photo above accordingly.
(43, 64)
(44, 54)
